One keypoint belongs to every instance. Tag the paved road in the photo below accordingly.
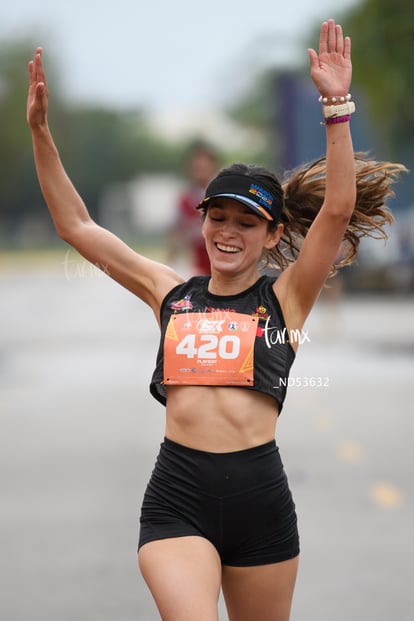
(79, 433)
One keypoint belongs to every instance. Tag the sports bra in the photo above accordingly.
(223, 340)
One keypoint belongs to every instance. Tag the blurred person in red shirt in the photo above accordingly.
(202, 164)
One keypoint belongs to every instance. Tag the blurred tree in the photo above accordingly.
(255, 110)
(16, 173)
(98, 146)
(101, 146)
(383, 53)
(382, 46)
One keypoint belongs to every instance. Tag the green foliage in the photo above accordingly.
(254, 111)
(382, 34)
(98, 146)
(14, 137)
(382, 48)
(251, 110)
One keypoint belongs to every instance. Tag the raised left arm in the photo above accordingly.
(300, 284)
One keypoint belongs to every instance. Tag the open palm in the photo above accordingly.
(331, 69)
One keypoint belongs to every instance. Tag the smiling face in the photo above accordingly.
(235, 236)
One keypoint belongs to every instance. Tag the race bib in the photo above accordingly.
(211, 350)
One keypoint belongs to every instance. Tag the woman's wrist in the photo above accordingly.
(340, 110)
(336, 109)
(41, 130)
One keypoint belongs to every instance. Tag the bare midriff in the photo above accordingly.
(219, 419)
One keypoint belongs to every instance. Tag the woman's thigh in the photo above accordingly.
(183, 575)
(260, 592)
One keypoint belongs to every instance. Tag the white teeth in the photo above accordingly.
(227, 248)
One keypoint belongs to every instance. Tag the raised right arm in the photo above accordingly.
(147, 279)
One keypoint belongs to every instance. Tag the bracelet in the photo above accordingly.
(337, 119)
(335, 99)
(338, 110)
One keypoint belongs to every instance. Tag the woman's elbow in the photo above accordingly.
(341, 207)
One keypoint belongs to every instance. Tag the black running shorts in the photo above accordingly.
(239, 501)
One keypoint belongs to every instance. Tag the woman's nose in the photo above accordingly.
(228, 227)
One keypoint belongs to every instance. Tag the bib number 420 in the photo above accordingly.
(210, 346)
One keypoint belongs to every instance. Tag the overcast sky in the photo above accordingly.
(165, 54)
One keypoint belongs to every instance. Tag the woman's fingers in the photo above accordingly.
(313, 58)
(36, 71)
(37, 97)
(39, 71)
(339, 39)
(347, 48)
(323, 38)
(331, 36)
(331, 39)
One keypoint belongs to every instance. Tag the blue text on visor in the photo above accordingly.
(247, 190)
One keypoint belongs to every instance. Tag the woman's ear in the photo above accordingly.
(273, 237)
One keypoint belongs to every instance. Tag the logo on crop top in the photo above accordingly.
(261, 313)
(184, 304)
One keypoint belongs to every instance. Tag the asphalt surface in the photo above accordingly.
(79, 434)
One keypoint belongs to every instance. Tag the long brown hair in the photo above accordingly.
(303, 192)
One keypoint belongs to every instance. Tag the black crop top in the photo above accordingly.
(211, 333)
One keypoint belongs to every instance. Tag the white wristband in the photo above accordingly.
(330, 112)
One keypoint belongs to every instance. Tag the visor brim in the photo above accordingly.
(257, 209)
